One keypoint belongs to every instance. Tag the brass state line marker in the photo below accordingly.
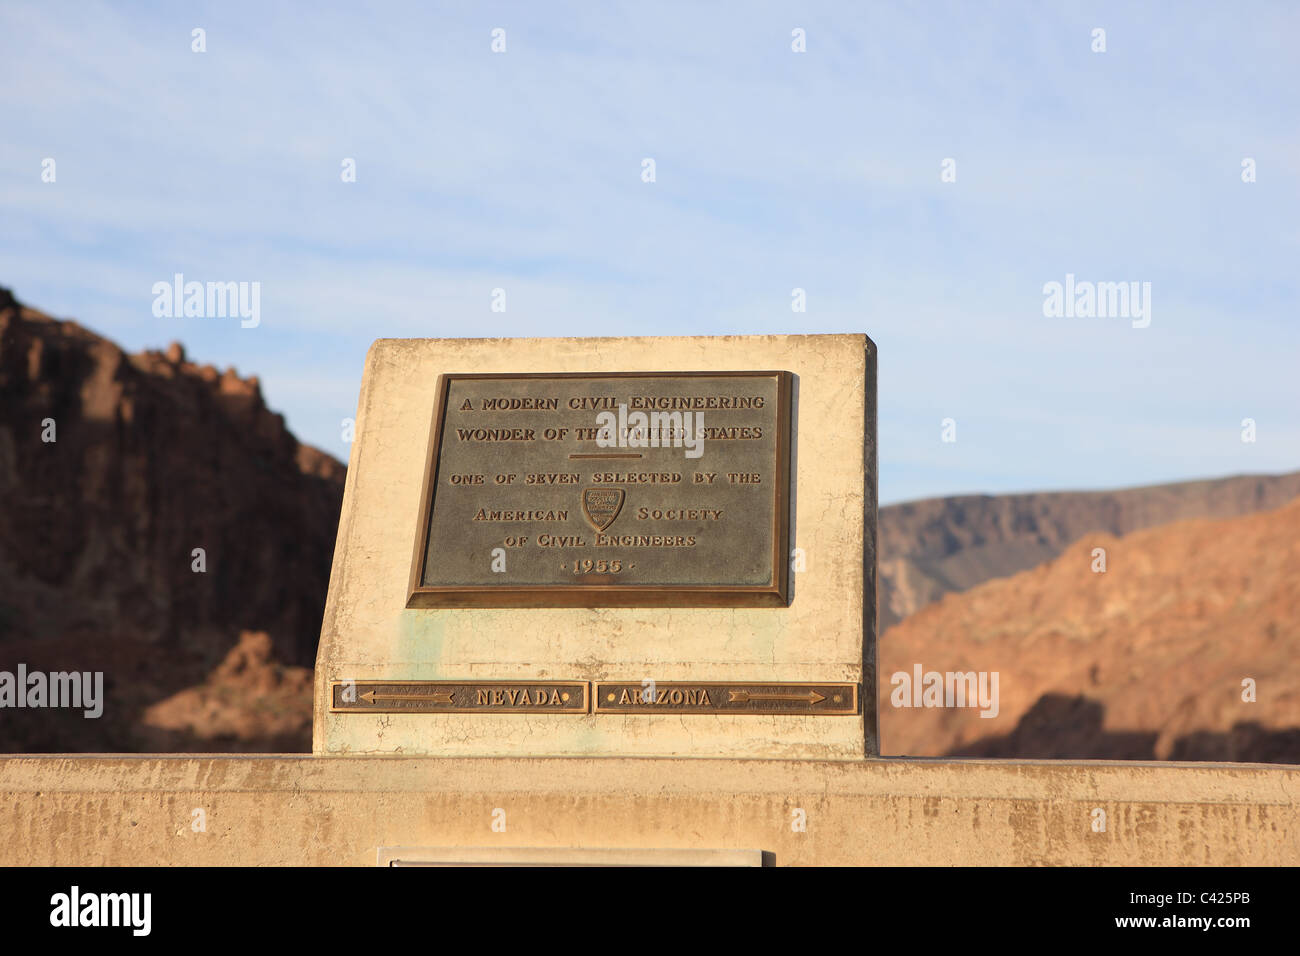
(437, 697)
(460, 698)
(745, 696)
(722, 698)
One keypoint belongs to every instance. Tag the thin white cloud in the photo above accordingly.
(774, 170)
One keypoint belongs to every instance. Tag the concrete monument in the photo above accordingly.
(623, 546)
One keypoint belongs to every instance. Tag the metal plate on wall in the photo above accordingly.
(657, 489)
(459, 697)
(720, 697)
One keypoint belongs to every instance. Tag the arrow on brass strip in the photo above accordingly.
(745, 696)
(437, 697)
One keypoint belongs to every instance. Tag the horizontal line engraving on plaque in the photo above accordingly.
(616, 489)
(459, 697)
(716, 697)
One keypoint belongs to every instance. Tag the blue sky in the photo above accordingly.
(774, 170)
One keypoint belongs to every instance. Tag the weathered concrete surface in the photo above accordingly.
(826, 634)
(317, 810)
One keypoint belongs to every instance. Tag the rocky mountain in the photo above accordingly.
(252, 702)
(1153, 657)
(940, 546)
(153, 511)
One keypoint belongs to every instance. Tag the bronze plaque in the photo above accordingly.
(459, 697)
(690, 697)
(627, 489)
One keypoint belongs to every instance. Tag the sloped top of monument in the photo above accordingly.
(622, 352)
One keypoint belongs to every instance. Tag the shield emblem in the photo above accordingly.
(602, 505)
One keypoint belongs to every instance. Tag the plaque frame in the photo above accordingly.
(775, 594)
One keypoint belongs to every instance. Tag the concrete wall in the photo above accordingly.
(123, 810)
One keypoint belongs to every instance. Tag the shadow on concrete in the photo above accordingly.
(1061, 727)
